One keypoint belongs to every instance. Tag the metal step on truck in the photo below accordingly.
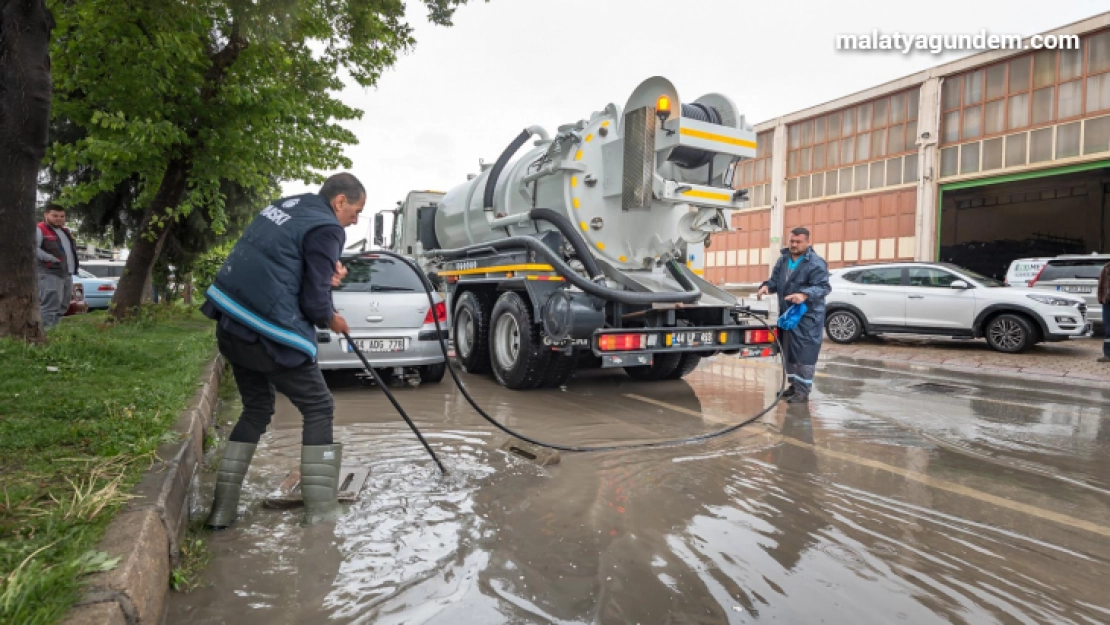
(586, 251)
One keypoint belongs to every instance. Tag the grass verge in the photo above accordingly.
(80, 419)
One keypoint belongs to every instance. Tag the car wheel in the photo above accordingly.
(433, 373)
(1010, 334)
(517, 354)
(661, 368)
(471, 332)
(843, 327)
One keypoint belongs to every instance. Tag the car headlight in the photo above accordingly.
(1053, 301)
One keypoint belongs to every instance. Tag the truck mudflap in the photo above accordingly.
(636, 347)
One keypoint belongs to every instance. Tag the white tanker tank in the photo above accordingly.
(627, 178)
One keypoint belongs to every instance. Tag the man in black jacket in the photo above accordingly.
(800, 277)
(269, 297)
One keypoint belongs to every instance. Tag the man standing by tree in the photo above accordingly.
(800, 277)
(56, 252)
(268, 298)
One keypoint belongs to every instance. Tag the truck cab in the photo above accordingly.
(412, 218)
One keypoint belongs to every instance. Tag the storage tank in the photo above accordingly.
(640, 183)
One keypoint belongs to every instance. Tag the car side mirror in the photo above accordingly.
(960, 284)
(379, 226)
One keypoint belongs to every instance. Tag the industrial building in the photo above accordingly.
(996, 156)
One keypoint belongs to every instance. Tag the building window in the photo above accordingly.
(755, 174)
(845, 140)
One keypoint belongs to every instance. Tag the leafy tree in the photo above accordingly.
(182, 97)
(24, 118)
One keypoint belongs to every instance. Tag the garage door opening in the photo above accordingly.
(986, 227)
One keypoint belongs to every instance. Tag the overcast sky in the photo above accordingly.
(463, 93)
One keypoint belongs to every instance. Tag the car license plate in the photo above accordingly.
(376, 345)
(692, 339)
(1074, 289)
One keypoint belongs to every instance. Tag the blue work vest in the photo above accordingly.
(259, 285)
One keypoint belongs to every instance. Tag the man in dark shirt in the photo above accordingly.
(268, 299)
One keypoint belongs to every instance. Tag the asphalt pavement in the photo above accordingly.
(918, 496)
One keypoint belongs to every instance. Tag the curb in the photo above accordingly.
(146, 534)
(1051, 377)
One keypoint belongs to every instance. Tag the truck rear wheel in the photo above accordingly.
(562, 367)
(686, 365)
(518, 356)
(662, 367)
(472, 322)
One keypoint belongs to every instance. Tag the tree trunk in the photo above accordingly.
(148, 244)
(25, 93)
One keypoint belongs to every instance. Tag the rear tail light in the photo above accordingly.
(106, 287)
(759, 336)
(440, 311)
(1038, 277)
(621, 342)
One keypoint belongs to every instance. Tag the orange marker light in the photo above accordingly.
(663, 105)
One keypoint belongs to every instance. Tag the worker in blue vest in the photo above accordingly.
(268, 299)
(800, 277)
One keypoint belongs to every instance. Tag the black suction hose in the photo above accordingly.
(495, 172)
(393, 400)
(581, 249)
(482, 413)
(634, 298)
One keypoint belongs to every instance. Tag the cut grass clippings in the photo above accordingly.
(80, 419)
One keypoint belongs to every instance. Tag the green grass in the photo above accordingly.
(80, 419)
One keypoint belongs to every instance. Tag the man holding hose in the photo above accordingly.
(268, 299)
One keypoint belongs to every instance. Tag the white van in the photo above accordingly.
(1023, 270)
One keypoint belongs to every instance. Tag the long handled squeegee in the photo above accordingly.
(393, 400)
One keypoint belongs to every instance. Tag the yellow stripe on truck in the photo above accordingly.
(708, 195)
(496, 269)
(709, 136)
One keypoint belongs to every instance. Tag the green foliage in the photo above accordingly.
(238, 92)
(74, 441)
(206, 266)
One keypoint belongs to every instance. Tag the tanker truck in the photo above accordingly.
(581, 252)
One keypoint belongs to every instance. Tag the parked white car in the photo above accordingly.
(946, 300)
(1022, 271)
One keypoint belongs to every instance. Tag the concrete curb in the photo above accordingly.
(146, 534)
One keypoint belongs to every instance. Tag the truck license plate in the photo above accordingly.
(376, 345)
(693, 339)
(1075, 289)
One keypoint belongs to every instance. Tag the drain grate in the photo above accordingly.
(943, 389)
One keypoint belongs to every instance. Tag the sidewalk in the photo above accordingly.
(1068, 361)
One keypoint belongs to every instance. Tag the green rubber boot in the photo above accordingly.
(320, 467)
(229, 483)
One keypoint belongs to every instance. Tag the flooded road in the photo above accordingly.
(892, 497)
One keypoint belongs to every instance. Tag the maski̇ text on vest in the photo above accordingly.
(275, 215)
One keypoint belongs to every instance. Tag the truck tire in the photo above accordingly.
(661, 368)
(517, 354)
(471, 332)
(686, 365)
(562, 367)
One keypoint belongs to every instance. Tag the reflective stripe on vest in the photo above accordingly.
(258, 324)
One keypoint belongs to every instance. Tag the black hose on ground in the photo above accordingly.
(581, 248)
(633, 298)
(569, 448)
(495, 172)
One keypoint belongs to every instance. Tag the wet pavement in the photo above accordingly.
(894, 496)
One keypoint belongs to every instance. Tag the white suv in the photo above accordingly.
(946, 300)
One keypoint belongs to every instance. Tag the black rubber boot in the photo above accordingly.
(229, 483)
(320, 467)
